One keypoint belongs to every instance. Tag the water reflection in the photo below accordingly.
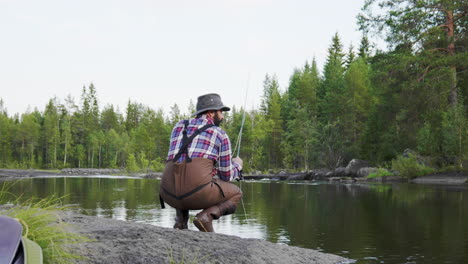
(379, 223)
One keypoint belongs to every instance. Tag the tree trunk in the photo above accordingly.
(55, 153)
(100, 156)
(22, 150)
(450, 24)
(65, 154)
(92, 158)
(31, 159)
(116, 155)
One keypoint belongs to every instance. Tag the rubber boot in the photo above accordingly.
(182, 217)
(203, 220)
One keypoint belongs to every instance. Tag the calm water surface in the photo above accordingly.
(401, 223)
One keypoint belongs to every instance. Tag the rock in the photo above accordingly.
(354, 166)
(348, 180)
(388, 179)
(334, 179)
(90, 171)
(407, 152)
(114, 241)
(297, 177)
(341, 171)
(360, 179)
(330, 174)
(318, 174)
(364, 172)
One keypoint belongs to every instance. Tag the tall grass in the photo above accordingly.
(43, 225)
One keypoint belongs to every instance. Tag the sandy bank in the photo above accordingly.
(127, 242)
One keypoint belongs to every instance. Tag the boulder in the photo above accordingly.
(341, 171)
(354, 166)
(319, 174)
(365, 171)
(297, 177)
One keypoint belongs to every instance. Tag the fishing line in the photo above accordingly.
(239, 136)
(238, 143)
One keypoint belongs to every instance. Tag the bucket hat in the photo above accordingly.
(210, 101)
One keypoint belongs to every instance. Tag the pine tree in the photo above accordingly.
(331, 92)
(52, 132)
(350, 57)
(431, 28)
(364, 48)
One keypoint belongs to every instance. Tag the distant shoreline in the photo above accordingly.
(442, 178)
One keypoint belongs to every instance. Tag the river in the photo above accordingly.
(371, 223)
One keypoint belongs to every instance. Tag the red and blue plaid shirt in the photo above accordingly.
(212, 144)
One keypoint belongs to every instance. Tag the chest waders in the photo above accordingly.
(182, 180)
(190, 185)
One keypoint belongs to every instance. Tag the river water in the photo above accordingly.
(371, 223)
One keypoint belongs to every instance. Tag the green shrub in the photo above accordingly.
(380, 173)
(157, 165)
(144, 162)
(42, 224)
(410, 167)
(132, 165)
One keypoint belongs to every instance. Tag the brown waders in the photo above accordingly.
(190, 186)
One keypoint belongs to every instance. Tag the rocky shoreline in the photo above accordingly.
(344, 175)
(117, 241)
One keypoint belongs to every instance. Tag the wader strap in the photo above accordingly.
(187, 140)
(220, 189)
(161, 201)
(186, 194)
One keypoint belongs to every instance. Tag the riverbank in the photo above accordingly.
(117, 241)
(443, 178)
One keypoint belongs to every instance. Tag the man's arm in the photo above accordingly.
(176, 137)
(228, 170)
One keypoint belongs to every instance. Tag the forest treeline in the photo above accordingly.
(365, 103)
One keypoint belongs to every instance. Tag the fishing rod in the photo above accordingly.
(239, 136)
(238, 145)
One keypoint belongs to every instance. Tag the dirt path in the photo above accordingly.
(126, 242)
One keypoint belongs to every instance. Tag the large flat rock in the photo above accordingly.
(127, 242)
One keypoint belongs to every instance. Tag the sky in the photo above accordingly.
(161, 53)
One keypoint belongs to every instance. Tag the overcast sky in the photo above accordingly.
(161, 52)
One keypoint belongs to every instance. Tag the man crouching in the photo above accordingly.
(199, 149)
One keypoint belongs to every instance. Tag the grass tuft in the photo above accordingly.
(43, 225)
(186, 259)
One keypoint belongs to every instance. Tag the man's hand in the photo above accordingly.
(238, 161)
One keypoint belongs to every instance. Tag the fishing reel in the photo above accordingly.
(241, 177)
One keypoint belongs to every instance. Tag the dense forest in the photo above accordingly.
(365, 103)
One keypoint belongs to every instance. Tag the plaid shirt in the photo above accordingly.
(211, 144)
